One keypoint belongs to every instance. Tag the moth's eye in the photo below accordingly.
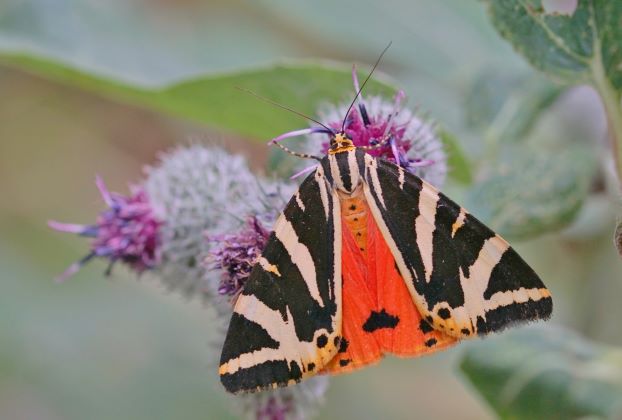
(373, 142)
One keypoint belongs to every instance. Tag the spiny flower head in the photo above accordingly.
(385, 129)
(395, 133)
(197, 189)
(236, 254)
(127, 231)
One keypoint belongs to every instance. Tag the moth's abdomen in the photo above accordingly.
(354, 212)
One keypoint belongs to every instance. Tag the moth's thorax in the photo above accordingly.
(344, 169)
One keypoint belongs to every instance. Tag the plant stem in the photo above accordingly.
(613, 109)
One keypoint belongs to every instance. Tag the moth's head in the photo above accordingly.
(340, 142)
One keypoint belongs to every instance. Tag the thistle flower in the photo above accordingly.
(196, 190)
(193, 192)
(231, 257)
(401, 136)
(128, 231)
(236, 254)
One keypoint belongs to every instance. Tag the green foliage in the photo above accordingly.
(219, 102)
(526, 195)
(216, 100)
(567, 47)
(585, 47)
(546, 373)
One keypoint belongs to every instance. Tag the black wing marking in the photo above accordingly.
(463, 277)
(287, 321)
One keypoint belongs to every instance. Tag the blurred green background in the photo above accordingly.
(103, 348)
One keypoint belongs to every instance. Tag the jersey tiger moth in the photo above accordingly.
(368, 259)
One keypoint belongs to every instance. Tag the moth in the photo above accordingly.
(368, 259)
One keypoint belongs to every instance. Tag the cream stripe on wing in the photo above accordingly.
(299, 255)
(299, 201)
(321, 182)
(337, 248)
(284, 332)
(459, 222)
(521, 295)
(476, 283)
(425, 224)
(335, 173)
(406, 272)
(401, 178)
(372, 167)
(267, 266)
(355, 176)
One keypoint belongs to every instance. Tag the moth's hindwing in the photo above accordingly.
(286, 324)
(464, 279)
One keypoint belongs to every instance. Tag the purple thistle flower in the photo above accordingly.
(401, 136)
(395, 133)
(127, 231)
(236, 255)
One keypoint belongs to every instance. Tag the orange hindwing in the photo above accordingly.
(379, 315)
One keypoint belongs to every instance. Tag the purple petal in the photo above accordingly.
(303, 172)
(68, 227)
(293, 134)
(396, 153)
(399, 97)
(104, 191)
(73, 268)
(422, 162)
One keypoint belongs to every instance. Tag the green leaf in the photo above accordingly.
(528, 194)
(215, 100)
(508, 107)
(458, 164)
(546, 373)
(585, 47)
(567, 47)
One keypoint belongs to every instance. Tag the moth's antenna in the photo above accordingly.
(271, 102)
(343, 124)
(381, 143)
(300, 155)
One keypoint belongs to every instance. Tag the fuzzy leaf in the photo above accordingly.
(215, 100)
(565, 47)
(584, 47)
(529, 194)
(546, 373)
